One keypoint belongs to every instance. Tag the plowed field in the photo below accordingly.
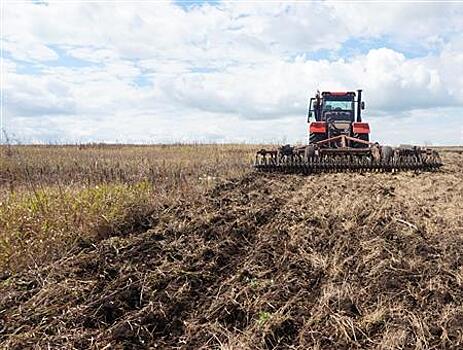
(330, 261)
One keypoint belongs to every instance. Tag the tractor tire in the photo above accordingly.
(314, 138)
(363, 137)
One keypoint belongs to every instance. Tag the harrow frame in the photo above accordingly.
(334, 155)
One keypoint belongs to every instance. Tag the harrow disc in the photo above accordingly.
(398, 159)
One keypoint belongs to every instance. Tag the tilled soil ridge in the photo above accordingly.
(263, 262)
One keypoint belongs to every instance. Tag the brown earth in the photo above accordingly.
(332, 261)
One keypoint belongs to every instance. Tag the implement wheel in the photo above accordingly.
(386, 154)
(309, 152)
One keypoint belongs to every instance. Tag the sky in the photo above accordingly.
(227, 71)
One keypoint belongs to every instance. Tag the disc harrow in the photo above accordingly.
(304, 160)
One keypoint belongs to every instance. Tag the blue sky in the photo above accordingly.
(147, 71)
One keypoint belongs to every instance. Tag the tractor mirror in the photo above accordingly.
(362, 105)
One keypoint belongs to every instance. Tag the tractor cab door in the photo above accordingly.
(310, 112)
(315, 105)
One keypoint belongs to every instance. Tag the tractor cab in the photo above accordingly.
(335, 114)
(333, 106)
(337, 106)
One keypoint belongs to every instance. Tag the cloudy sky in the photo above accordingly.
(221, 71)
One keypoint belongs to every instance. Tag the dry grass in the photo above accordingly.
(163, 165)
(249, 261)
(51, 196)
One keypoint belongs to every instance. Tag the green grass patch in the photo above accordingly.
(38, 226)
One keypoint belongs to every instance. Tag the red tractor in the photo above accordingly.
(339, 141)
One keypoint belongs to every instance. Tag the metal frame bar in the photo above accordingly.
(343, 139)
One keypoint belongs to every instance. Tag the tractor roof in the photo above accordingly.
(338, 93)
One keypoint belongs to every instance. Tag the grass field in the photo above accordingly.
(52, 195)
(184, 246)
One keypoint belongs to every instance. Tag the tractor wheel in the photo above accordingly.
(363, 137)
(314, 138)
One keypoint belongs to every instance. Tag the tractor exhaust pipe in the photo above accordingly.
(359, 106)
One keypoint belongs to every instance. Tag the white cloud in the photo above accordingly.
(405, 21)
(139, 71)
(28, 50)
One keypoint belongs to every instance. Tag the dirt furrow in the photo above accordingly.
(153, 279)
